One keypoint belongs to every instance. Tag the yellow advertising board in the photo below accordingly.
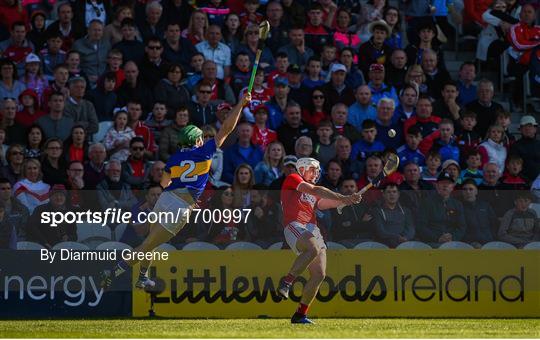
(359, 283)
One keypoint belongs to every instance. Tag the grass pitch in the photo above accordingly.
(272, 328)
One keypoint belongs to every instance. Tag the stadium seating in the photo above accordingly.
(370, 245)
(335, 245)
(24, 245)
(102, 131)
(166, 247)
(414, 245)
(498, 245)
(276, 246)
(70, 245)
(532, 246)
(243, 246)
(456, 245)
(113, 245)
(200, 246)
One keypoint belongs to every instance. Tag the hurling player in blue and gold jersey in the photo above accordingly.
(184, 179)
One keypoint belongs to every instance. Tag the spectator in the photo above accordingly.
(82, 111)
(53, 163)
(94, 168)
(222, 111)
(197, 27)
(30, 108)
(10, 86)
(473, 172)
(317, 34)
(113, 31)
(203, 112)
(344, 37)
(65, 26)
(296, 49)
(442, 140)
(261, 225)
(132, 49)
(33, 77)
(34, 142)
(293, 127)
(281, 65)
(409, 152)
(385, 123)
(289, 167)
(251, 44)
(157, 120)
(278, 104)
(491, 190)
(368, 13)
(135, 233)
(232, 32)
(59, 84)
(351, 167)
(134, 88)
(397, 69)
(168, 141)
(135, 170)
(484, 107)
(96, 10)
(42, 233)
(260, 95)
(433, 163)
(112, 192)
(93, 49)
(375, 51)
(17, 47)
(75, 185)
(528, 147)
(118, 137)
(447, 107)
(217, 51)
(482, 223)
(415, 76)
(221, 233)
(270, 168)
(341, 126)
(413, 189)
(336, 91)
(491, 42)
(354, 224)
(426, 122)
(241, 72)
(468, 139)
(177, 50)
(303, 147)
(363, 108)
(452, 167)
(31, 191)
(520, 225)
(325, 148)
(512, 178)
(14, 132)
(156, 173)
(468, 91)
(11, 12)
(53, 55)
(368, 145)
(13, 170)
(134, 110)
(170, 90)
(332, 176)
(313, 77)
(216, 168)
(442, 218)
(493, 150)
(14, 211)
(355, 77)
(76, 145)
(55, 124)
(153, 67)
(373, 167)
(436, 74)
(241, 152)
(426, 40)
(152, 25)
(503, 119)
(220, 89)
(377, 86)
(393, 222)
(279, 28)
(114, 65)
(244, 180)
(104, 97)
(262, 135)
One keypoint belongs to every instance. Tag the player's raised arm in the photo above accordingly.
(231, 120)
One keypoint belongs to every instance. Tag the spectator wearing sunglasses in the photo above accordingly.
(136, 170)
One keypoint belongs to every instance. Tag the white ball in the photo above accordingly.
(391, 133)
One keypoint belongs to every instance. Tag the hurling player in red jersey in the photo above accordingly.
(299, 199)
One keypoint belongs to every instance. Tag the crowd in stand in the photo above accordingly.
(93, 94)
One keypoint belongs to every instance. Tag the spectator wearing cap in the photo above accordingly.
(55, 123)
(426, 122)
(443, 140)
(528, 147)
(413, 188)
(394, 223)
(262, 135)
(375, 51)
(104, 97)
(385, 123)
(336, 91)
(363, 108)
(453, 169)
(136, 170)
(297, 50)
(42, 233)
(436, 75)
(485, 108)
(482, 223)
(30, 112)
(271, 167)
(53, 54)
(171, 91)
(217, 51)
(202, 110)
(520, 225)
(277, 106)
(317, 34)
(14, 132)
(112, 192)
(241, 152)
(354, 224)
(17, 47)
(10, 86)
(81, 110)
(168, 140)
(442, 218)
(293, 127)
(426, 39)
(377, 86)
(93, 49)
(33, 75)
(134, 88)
(338, 116)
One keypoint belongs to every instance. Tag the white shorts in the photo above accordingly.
(294, 230)
(170, 201)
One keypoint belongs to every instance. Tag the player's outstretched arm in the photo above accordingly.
(165, 179)
(331, 204)
(329, 198)
(231, 120)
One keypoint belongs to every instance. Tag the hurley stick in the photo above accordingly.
(264, 29)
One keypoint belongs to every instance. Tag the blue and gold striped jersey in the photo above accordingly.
(189, 168)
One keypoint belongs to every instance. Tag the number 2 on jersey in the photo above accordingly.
(188, 167)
